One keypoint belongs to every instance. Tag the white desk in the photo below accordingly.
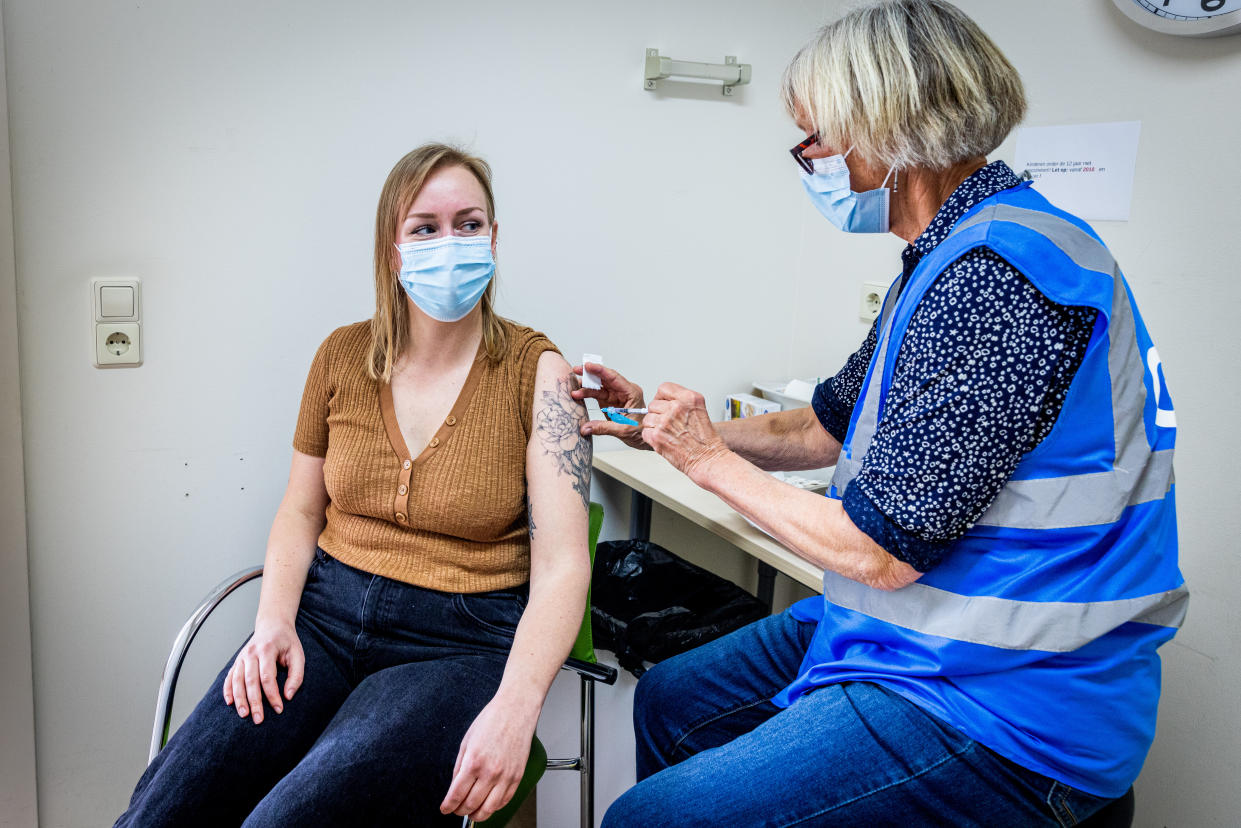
(652, 479)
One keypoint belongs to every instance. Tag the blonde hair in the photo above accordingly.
(390, 325)
(909, 83)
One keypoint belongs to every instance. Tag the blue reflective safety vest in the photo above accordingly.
(1036, 634)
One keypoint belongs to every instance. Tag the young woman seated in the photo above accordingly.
(427, 569)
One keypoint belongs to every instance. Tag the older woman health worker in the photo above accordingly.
(999, 545)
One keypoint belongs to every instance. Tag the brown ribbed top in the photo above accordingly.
(454, 517)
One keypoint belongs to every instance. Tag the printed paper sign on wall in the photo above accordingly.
(1086, 169)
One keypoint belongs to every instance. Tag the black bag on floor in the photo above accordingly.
(647, 604)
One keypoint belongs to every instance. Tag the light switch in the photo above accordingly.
(116, 301)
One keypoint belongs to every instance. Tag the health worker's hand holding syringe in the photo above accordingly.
(675, 423)
(614, 392)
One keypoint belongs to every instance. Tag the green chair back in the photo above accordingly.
(584, 647)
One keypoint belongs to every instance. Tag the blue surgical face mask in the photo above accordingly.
(447, 276)
(830, 191)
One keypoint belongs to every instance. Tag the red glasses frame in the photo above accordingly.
(797, 151)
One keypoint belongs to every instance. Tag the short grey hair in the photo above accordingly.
(909, 83)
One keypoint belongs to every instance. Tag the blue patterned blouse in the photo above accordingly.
(979, 380)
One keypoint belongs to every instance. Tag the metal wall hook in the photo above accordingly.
(730, 72)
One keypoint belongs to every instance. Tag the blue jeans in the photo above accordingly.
(395, 674)
(713, 750)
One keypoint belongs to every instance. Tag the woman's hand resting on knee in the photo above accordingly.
(491, 760)
(253, 674)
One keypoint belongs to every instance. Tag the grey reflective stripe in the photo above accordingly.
(1083, 248)
(1081, 500)
(846, 469)
(1097, 498)
(1048, 626)
(868, 420)
(1127, 370)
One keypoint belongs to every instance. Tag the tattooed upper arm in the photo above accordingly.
(557, 425)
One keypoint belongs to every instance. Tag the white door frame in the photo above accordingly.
(18, 797)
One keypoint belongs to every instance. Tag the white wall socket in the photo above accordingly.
(118, 344)
(872, 301)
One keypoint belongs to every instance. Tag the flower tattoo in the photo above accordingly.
(557, 425)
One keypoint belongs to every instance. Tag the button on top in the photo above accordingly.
(435, 441)
(451, 420)
(405, 465)
(401, 489)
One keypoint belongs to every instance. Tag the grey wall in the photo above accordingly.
(229, 154)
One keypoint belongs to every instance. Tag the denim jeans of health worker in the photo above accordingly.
(713, 750)
(395, 674)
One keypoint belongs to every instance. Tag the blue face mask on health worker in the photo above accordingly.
(830, 191)
(446, 277)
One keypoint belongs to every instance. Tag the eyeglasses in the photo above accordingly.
(797, 151)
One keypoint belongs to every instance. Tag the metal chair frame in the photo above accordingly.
(588, 673)
(181, 646)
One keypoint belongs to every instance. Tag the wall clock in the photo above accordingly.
(1193, 18)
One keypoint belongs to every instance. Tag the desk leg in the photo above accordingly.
(766, 583)
(639, 516)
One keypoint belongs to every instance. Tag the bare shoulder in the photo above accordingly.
(553, 367)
